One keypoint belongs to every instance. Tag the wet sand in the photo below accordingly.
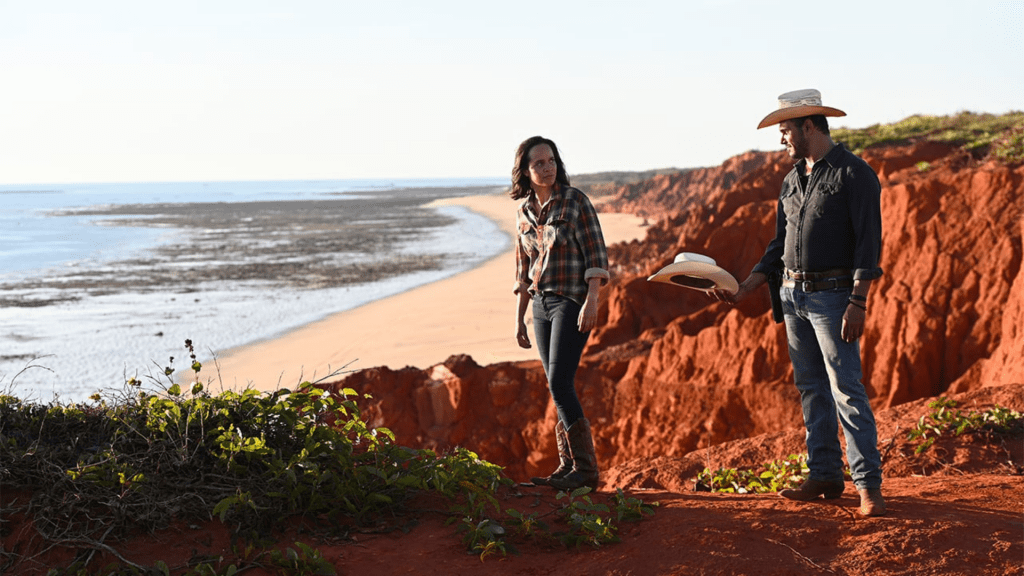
(471, 313)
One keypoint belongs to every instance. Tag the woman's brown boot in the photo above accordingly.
(564, 457)
(584, 459)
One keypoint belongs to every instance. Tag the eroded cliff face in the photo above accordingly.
(670, 370)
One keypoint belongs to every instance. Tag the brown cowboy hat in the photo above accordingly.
(797, 104)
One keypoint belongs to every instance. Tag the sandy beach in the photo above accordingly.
(469, 313)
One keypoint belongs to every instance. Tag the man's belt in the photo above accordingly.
(823, 275)
(817, 281)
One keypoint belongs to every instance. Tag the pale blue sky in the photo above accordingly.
(249, 90)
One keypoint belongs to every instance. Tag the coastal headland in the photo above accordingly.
(675, 384)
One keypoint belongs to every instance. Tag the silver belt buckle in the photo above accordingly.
(807, 286)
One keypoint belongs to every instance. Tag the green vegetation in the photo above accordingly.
(946, 419)
(982, 134)
(586, 522)
(770, 477)
(139, 461)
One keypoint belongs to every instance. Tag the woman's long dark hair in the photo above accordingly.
(521, 185)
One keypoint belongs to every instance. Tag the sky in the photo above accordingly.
(106, 91)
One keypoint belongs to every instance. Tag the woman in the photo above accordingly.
(561, 263)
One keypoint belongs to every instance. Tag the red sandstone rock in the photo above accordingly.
(500, 412)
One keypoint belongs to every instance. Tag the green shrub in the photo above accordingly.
(946, 419)
(770, 477)
(136, 461)
(998, 135)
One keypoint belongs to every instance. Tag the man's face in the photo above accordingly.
(794, 138)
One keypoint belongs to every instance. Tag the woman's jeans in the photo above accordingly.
(828, 376)
(560, 342)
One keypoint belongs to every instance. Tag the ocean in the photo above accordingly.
(102, 283)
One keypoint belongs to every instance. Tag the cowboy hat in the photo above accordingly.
(798, 104)
(696, 271)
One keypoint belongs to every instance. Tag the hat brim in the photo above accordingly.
(783, 114)
(696, 276)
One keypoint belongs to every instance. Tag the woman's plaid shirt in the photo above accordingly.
(560, 249)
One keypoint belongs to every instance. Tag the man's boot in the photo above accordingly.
(812, 489)
(584, 459)
(871, 502)
(564, 458)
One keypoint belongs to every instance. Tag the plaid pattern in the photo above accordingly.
(560, 249)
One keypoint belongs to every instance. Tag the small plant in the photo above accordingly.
(770, 477)
(485, 537)
(206, 569)
(586, 525)
(307, 561)
(629, 508)
(526, 525)
(946, 419)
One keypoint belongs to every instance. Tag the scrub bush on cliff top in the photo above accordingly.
(140, 461)
(292, 452)
(982, 134)
(95, 472)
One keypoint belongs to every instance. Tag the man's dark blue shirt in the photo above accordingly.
(828, 219)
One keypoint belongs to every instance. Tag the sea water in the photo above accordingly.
(58, 341)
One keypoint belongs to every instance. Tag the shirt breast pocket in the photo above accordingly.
(528, 238)
(557, 233)
(828, 196)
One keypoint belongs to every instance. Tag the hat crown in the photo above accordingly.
(696, 271)
(809, 97)
(694, 257)
(797, 104)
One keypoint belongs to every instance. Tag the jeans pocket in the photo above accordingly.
(787, 297)
(832, 301)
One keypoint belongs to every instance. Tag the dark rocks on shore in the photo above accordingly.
(302, 244)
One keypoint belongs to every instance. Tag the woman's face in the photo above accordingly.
(543, 167)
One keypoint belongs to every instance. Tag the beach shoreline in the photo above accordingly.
(222, 269)
(470, 313)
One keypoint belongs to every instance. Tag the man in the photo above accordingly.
(828, 238)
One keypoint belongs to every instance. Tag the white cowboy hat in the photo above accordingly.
(797, 104)
(696, 271)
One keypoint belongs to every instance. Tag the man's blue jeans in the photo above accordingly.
(828, 376)
(560, 342)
